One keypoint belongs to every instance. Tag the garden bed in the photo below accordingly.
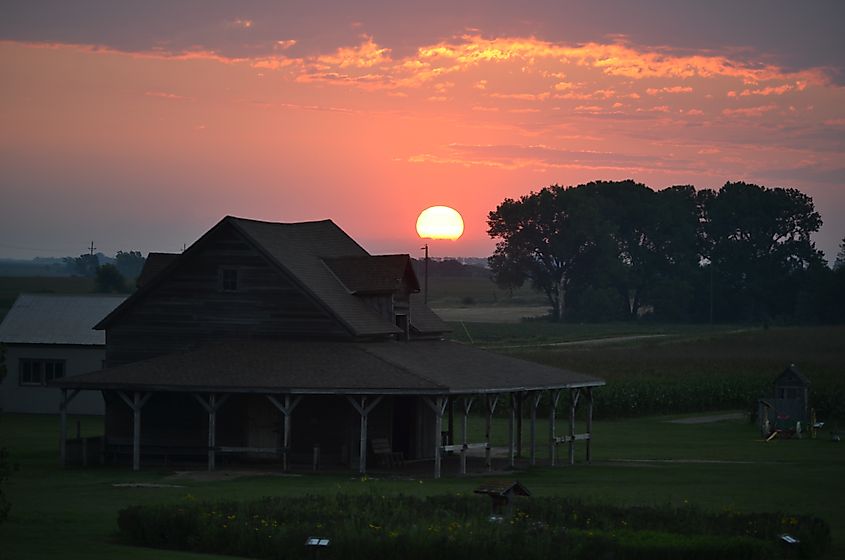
(371, 527)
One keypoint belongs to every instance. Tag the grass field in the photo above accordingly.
(12, 286)
(72, 514)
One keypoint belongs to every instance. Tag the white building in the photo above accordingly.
(47, 337)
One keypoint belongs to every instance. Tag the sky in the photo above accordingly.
(140, 125)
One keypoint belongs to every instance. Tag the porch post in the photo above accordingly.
(491, 408)
(574, 394)
(136, 431)
(520, 396)
(535, 402)
(438, 406)
(65, 400)
(211, 407)
(589, 424)
(364, 410)
(554, 396)
(287, 410)
(511, 426)
(467, 406)
(136, 403)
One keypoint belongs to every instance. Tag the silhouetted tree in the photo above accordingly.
(758, 239)
(543, 237)
(109, 279)
(840, 257)
(130, 263)
(4, 453)
(83, 265)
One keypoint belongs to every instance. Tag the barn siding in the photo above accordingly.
(189, 307)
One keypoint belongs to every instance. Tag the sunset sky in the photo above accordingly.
(139, 126)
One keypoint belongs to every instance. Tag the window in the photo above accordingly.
(229, 280)
(40, 372)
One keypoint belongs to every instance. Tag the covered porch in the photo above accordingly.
(406, 404)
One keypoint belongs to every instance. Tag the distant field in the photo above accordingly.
(11, 286)
(457, 291)
(654, 369)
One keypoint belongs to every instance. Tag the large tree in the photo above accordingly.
(543, 237)
(758, 241)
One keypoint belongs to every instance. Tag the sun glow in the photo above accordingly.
(440, 222)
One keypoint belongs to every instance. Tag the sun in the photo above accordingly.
(440, 222)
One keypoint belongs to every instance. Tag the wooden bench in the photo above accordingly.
(388, 457)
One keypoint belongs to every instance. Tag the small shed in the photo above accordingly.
(789, 403)
(502, 493)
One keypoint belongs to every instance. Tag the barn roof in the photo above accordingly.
(373, 274)
(303, 251)
(57, 319)
(333, 367)
(153, 264)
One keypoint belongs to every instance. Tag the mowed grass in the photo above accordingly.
(12, 286)
(723, 465)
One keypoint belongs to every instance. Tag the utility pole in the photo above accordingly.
(426, 273)
(91, 248)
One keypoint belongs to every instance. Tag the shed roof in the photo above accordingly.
(57, 319)
(334, 367)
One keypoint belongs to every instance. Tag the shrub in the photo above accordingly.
(375, 527)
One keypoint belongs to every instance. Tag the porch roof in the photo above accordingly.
(333, 367)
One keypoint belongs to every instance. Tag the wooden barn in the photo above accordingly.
(284, 341)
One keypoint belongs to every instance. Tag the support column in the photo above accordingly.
(574, 394)
(137, 402)
(286, 409)
(467, 406)
(589, 425)
(535, 402)
(519, 398)
(65, 400)
(554, 396)
(364, 410)
(438, 406)
(491, 402)
(211, 407)
(511, 426)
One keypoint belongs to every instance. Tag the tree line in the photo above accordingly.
(611, 250)
(118, 276)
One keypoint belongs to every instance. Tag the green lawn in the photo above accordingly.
(72, 513)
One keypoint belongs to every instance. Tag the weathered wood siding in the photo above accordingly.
(190, 307)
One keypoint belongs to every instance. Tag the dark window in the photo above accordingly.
(229, 280)
(402, 323)
(40, 372)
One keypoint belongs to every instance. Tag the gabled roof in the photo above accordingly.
(154, 263)
(374, 274)
(57, 319)
(333, 367)
(791, 376)
(299, 250)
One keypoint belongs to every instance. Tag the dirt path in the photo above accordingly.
(585, 342)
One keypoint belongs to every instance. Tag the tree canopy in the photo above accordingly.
(619, 249)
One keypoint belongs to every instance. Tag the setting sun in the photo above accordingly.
(440, 222)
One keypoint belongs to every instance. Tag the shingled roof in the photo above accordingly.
(373, 274)
(333, 367)
(57, 319)
(323, 260)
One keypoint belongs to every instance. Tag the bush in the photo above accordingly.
(375, 527)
